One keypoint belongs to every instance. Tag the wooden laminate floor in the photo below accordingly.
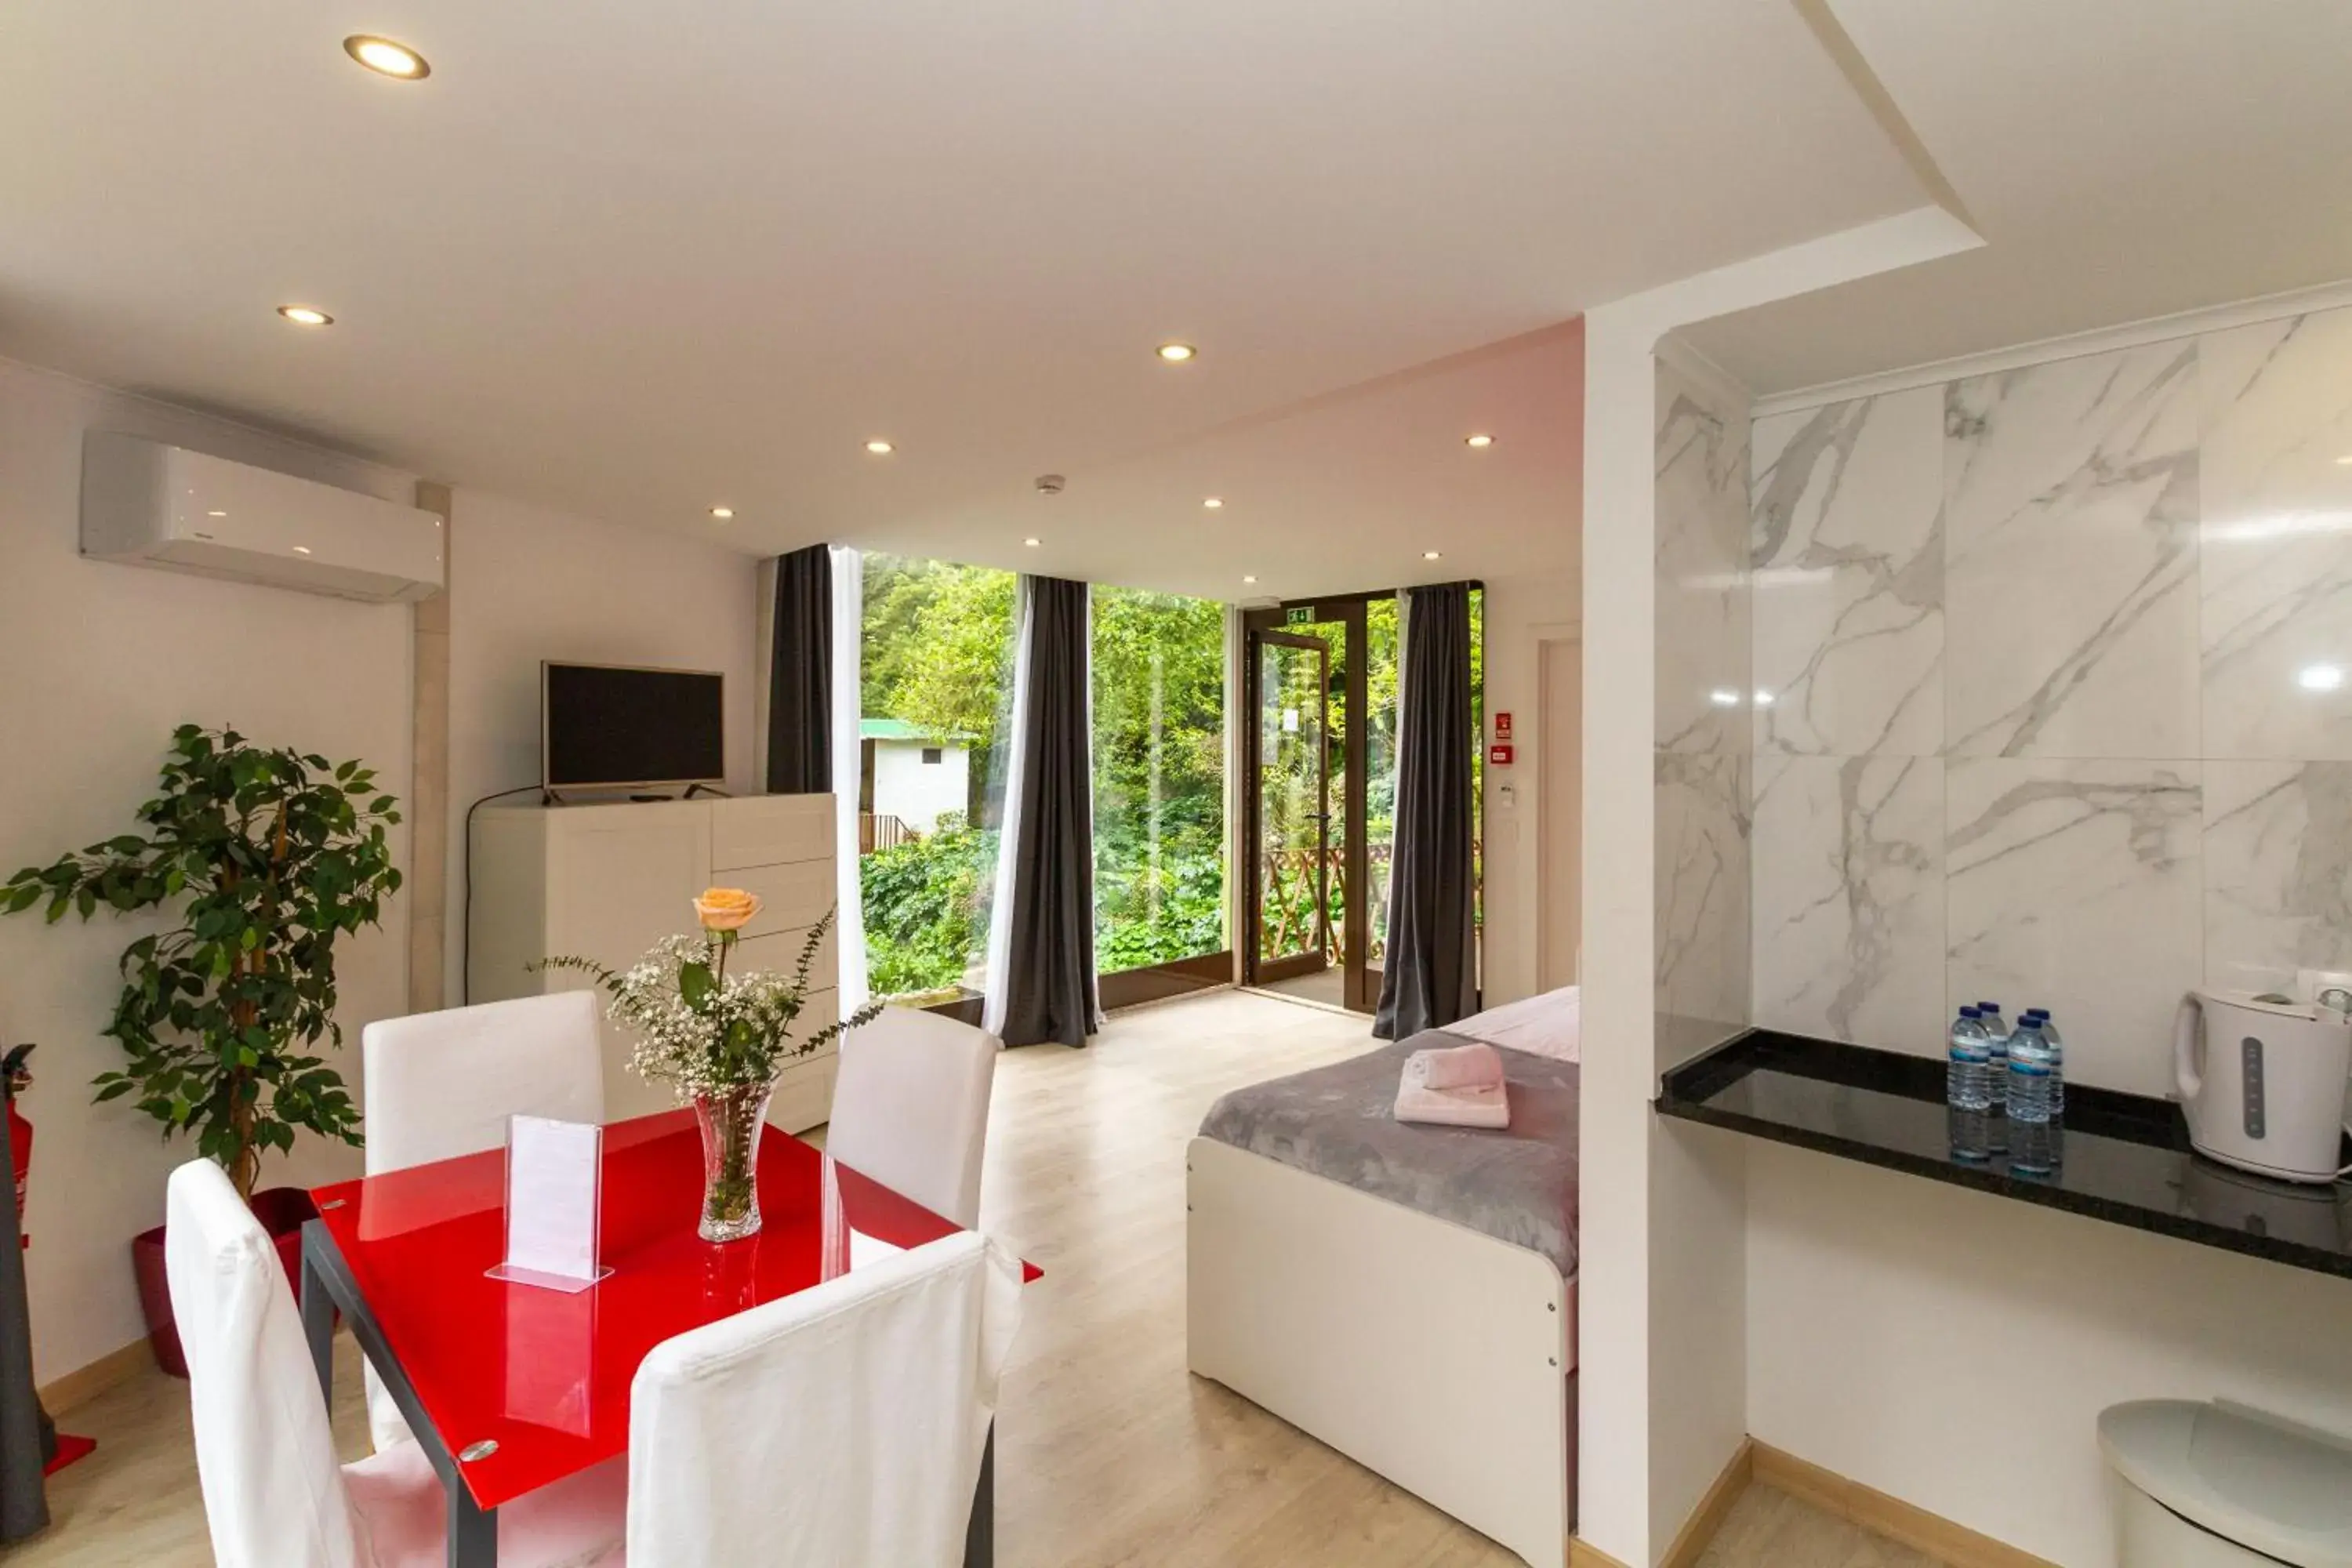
(1109, 1451)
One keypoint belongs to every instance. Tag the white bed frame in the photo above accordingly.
(1427, 1352)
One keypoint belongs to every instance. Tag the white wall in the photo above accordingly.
(915, 791)
(531, 585)
(1523, 609)
(1954, 1348)
(103, 661)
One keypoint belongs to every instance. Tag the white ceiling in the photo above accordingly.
(636, 259)
(1348, 492)
(2124, 159)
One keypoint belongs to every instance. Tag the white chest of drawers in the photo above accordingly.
(607, 881)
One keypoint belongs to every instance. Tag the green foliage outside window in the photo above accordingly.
(938, 655)
(1160, 777)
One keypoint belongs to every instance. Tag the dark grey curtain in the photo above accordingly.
(1429, 978)
(24, 1503)
(800, 676)
(1047, 970)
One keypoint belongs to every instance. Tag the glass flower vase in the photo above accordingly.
(731, 1121)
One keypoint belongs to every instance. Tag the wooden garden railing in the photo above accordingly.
(1286, 900)
(881, 832)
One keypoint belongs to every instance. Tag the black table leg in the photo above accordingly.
(473, 1531)
(327, 1284)
(980, 1536)
(318, 1309)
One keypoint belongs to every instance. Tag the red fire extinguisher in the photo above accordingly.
(18, 1079)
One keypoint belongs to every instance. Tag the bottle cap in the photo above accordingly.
(1969, 1013)
(2038, 1014)
(1987, 1006)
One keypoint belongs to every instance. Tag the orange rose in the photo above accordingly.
(726, 908)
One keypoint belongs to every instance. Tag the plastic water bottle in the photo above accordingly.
(1969, 1133)
(2032, 1142)
(2049, 1027)
(1966, 1076)
(1997, 1032)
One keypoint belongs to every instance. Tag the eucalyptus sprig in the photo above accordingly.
(270, 856)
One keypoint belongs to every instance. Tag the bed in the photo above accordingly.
(1406, 1294)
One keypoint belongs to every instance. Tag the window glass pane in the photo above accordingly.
(937, 665)
(1382, 694)
(1160, 777)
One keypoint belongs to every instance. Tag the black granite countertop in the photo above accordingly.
(2123, 1158)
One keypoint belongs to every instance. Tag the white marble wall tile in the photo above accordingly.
(1849, 900)
(1703, 591)
(2076, 885)
(1703, 887)
(2278, 872)
(2070, 515)
(1847, 549)
(2277, 538)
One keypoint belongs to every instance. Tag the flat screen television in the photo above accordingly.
(606, 726)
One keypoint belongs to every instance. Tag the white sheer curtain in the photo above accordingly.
(995, 998)
(848, 711)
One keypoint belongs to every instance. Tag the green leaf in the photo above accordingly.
(695, 984)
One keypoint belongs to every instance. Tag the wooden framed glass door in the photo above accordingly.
(1290, 806)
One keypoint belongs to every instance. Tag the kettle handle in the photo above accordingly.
(2186, 1032)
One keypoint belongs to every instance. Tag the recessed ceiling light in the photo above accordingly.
(1763, 699)
(301, 550)
(879, 447)
(2320, 677)
(1177, 353)
(1481, 442)
(2346, 460)
(1429, 555)
(386, 58)
(215, 514)
(306, 316)
(1033, 543)
(1213, 502)
(1249, 579)
(722, 513)
(1723, 699)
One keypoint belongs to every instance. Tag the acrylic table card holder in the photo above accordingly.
(554, 1198)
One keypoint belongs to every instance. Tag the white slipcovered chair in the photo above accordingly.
(438, 1084)
(910, 1108)
(273, 1496)
(843, 1425)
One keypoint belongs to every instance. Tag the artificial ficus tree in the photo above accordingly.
(268, 855)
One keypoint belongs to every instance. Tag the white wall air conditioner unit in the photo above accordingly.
(152, 505)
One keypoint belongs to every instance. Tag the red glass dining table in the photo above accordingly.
(509, 1387)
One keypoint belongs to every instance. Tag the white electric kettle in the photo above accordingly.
(2262, 1082)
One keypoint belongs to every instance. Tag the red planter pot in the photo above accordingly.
(280, 1210)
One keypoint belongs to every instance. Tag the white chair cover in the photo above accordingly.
(841, 1425)
(438, 1084)
(273, 1494)
(910, 1108)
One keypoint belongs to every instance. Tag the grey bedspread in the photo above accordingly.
(1338, 1122)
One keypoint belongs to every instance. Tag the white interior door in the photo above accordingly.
(1560, 822)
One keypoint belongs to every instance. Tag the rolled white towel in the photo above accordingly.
(1458, 1067)
(1489, 1106)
